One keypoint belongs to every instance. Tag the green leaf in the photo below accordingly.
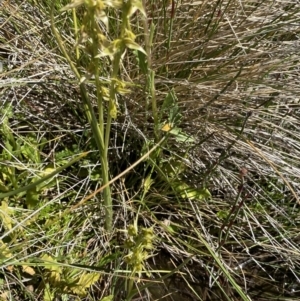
(54, 271)
(133, 6)
(48, 293)
(95, 175)
(32, 198)
(142, 61)
(3, 187)
(5, 214)
(174, 114)
(222, 214)
(86, 281)
(44, 173)
(180, 136)
(170, 106)
(169, 100)
(30, 152)
(4, 252)
(51, 264)
(108, 298)
(188, 192)
(133, 45)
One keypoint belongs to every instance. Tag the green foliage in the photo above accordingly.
(97, 45)
(6, 215)
(222, 214)
(63, 280)
(191, 193)
(138, 245)
(108, 298)
(171, 126)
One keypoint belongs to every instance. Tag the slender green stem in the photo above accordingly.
(151, 75)
(102, 140)
(105, 133)
(154, 104)
(76, 32)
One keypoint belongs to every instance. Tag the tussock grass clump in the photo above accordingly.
(213, 85)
